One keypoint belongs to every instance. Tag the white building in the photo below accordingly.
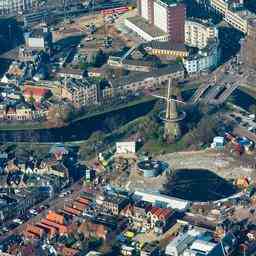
(160, 15)
(171, 202)
(144, 9)
(180, 243)
(199, 32)
(204, 60)
(199, 242)
(168, 16)
(146, 32)
(200, 246)
(128, 147)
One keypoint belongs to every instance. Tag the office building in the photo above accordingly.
(159, 18)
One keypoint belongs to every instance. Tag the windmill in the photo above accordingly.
(171, 116)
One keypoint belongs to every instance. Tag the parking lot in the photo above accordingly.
(246, 124)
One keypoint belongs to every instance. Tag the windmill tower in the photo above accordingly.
(171, 116)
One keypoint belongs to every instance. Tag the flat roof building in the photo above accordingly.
(154, 197)
(159, 16)
(199, 32)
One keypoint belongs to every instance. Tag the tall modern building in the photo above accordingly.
(167, 16)
(15, 6)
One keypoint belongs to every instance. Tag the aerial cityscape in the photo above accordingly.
(128, 127)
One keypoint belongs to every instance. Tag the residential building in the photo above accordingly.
(70, 73)
(91, 229)
(21, 112)
(17, 204)
(159, 20)
(80, 92)
(15, 6)
(144, 81)
(160, 218)
(199, 32)
(113, 203)
(28, 54)
(15, 74)
(204, 59)
(166, 50)
(137, 212)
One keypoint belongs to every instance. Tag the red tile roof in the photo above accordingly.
(160, 212)
(36, 91)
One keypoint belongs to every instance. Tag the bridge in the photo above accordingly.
(226, 93)
(199, 92)
(213, 94)
(216, 92)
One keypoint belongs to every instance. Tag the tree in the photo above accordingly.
(252, 109)
(179, 60)
(31, 99)
(94, 243)
(100, 59)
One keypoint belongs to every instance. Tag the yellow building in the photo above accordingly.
(166, 50)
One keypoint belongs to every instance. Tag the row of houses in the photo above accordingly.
(21, 112)
(87, 91)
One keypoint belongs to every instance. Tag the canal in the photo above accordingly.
(82, 129)
(79, 130)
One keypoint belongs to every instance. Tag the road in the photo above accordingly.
(55, 204)
(222, 76)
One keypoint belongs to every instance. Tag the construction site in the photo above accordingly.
(96, 28)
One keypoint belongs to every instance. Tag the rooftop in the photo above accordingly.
(138, 63)
(74, 85)
(133, 78)
(205, 22)
(35, 90)
(70, 71)
(115, 198)
(165, 45)
(171, 2)
(142, 24)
